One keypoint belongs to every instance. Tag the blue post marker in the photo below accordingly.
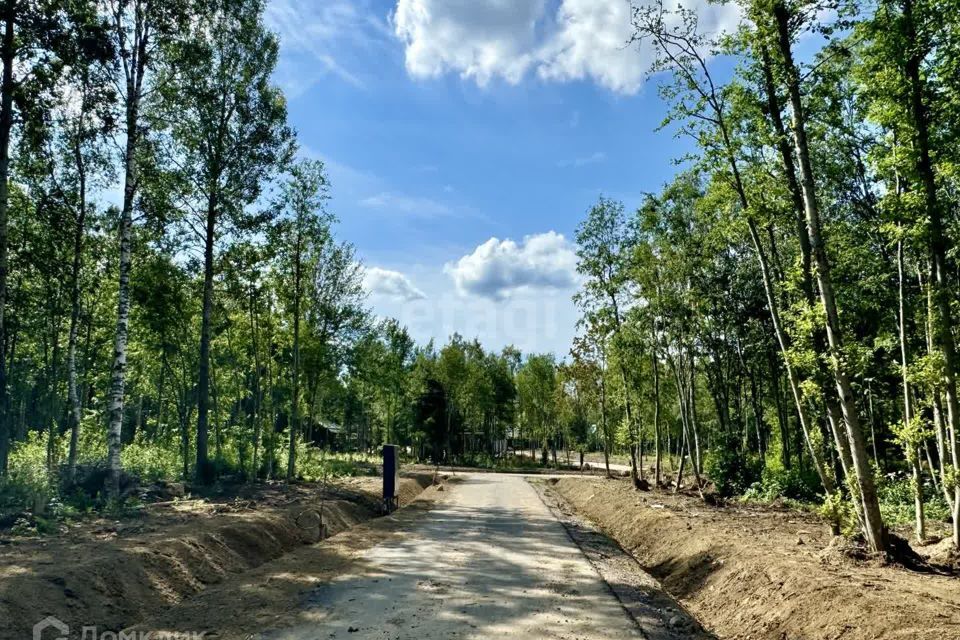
(391, 477)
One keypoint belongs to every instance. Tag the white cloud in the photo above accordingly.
(392, 284)
(374, 193)
(582, 161)
(320, 38)
(499, 268)
(480, 39)
(540, 320)
(591, 42)
(507, 39)
(407, 205)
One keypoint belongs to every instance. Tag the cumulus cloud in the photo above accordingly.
(480, 39)
(498, 268)
(507, 39)
(392, 284)
(591, 42)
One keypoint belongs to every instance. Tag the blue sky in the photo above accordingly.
(465, 139)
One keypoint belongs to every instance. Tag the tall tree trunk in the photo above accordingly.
(118, 371)
(789, 169)
(685, 396)
(627, 405)
(782, 418)
(937, 245)
(936, 399)
(695, 457)
(634, 476)
(933, 470)
(7, 53)
(217, 418)
(756, 401)
(640, 450)
(873, 522)
(669, 448)
(134, 56)
(786, 158)
(270, 440)
(603, 421)
(656, 405)
(204, 471)
(872, 419)
(78, 232)
(910, 448)
(682, 456)
(50, 414)
(158, 429)
(255, 409)
(295, 393)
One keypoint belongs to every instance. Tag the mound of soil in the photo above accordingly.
(258, 604)
(944, 554)
(752, 573)
(115, 573)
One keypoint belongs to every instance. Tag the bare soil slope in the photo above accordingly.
(762, 573)
(115, 573)
(253, 604)
(489, 560)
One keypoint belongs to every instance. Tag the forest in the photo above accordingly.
(796, 281)
(208, 325)
(777, 323)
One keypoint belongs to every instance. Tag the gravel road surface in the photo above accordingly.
(490, 561)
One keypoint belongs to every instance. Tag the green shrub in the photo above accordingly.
(514, 462)
(32, 525)
(315, 464)
(896, 500)
(150, 461)
(92, 440)
(838, 509)
(775, 483)
(28, 483)
(730, 471)
(479, 460)
(487, 461)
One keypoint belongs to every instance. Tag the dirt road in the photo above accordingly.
(490, 561)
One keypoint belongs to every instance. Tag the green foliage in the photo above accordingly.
(911, 435)
(28, 483)
(34, 525)
(896, 501)
(129, 507)
(151, 461)
(537, 391)
(730, 471)
(837, 508)
(951, 477)
(318, 465)
(777, 483)
(500, 463)
(688, 285)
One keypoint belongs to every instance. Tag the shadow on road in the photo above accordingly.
(493, 561)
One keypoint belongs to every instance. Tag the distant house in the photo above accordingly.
(330, 434)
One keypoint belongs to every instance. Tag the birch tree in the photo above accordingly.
(139, 30)
(230, 135)
(299, 236)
